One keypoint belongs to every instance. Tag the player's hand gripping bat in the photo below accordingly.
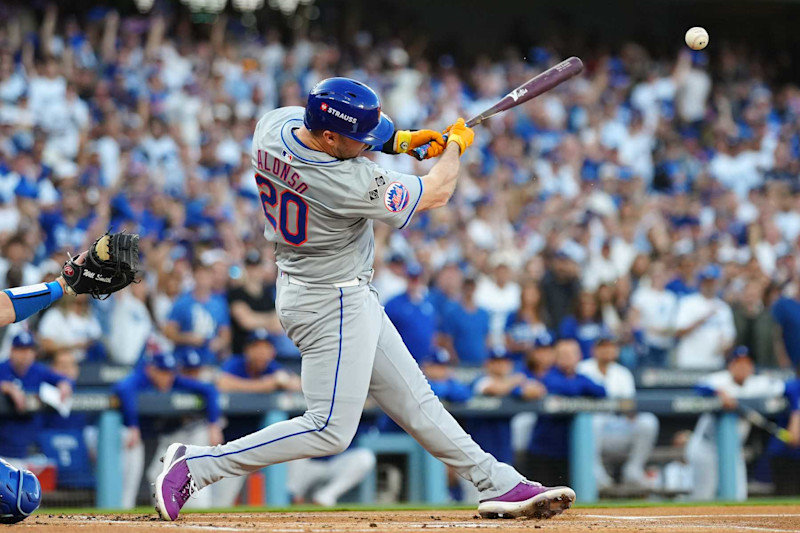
(759, 420)
(532, 88)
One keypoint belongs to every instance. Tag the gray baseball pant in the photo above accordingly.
(350, 349)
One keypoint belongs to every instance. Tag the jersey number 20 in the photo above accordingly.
(271, 200)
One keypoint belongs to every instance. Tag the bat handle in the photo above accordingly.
(420, 152)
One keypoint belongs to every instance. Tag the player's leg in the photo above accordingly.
(402, 391)
(644, 433)
(331, 329)
(343, 473)
(132, 470)
(601, 448)
(702, 457)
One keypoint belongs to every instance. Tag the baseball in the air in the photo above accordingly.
(697, 38)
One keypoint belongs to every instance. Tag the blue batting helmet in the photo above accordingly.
(20, 493)
(350, 108)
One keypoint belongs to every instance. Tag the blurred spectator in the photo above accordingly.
(413, 314)
(585, 325)
(527, 325)
(683, 283)
(626, 437)
(70, 325)
(466, 327)
(65, 440)
(678, 476)
(445, 293)
(704, 325)
(736, 382)
(159, 374)
(786, 312)
(560, 288)
(653, 310)
(549, 446)
(17, 254)
(252, 303)
(498, 294)
(325, 480)
(256, 370)
(785, 457)
(22, 375)
(755, 327)
(390, 281)
(199, 319)
(438, 370)
(132, 324)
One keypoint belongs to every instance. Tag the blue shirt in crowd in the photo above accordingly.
(776, 446)
(523, 332)
(202, 318)
(786, 312)
(469, 330)
(586, 333)
(236, 365)
(551, 433)
(18, 433)
(137, 382)
(415, 321)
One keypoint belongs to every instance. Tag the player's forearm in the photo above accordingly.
(19, 303)
(230, 383)
(440, 183)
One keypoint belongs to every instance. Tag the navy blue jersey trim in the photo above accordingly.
(414, 209)
(298, 156)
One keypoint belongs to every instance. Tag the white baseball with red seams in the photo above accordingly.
(696, 38)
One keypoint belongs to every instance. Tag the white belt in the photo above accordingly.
(340, 285)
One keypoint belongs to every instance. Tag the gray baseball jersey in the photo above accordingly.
(319, 209)
(319, 214)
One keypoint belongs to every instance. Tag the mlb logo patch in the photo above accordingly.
(288, 156)
(396, 197)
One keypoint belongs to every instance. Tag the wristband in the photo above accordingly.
(33, 298)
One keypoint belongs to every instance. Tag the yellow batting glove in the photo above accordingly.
(460, 134)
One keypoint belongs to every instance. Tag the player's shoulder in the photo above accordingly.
(278, 116)
(234, 365)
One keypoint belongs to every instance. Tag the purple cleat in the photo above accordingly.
(174, 485)
(528, 499)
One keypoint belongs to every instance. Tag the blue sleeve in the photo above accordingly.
(127, 392)
(178, 312)
(793, 395)
(459, 392)
(778, 312)
(512, 318)
(231, 365)
(568, 328)
(704, 390)
(223, 315)
(206, 390)
(54, 379)
(590, 388)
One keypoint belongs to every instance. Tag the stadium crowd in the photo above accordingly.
(652, 204)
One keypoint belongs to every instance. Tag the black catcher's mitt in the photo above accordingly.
(110, 265)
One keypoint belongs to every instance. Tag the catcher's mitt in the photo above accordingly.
(109, 265)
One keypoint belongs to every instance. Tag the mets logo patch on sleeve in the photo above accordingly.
(396, 197)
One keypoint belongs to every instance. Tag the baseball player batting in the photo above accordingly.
(321, 199)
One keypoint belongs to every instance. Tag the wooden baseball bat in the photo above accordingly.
(759, 420)
(532, 88)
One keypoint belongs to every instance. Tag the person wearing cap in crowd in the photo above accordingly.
(683, 283)
(784, 457)
(252, 302)
(21, 374)
(390, 281)
(652, 315)
(549, 445)
(438, 370)
(704, 325)
(413, 314)
(255, 369)
(465, 328)
(252, 371)
(159, 373)
(627, 437)
(737, 381)
(199, 319)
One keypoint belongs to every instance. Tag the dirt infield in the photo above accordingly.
(781, 518)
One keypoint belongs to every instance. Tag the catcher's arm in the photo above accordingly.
(19, 303)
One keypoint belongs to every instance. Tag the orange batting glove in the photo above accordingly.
(405, 140)
(459, 133)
